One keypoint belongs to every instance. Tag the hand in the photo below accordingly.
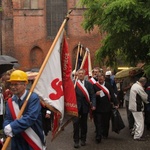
(98, 92)
(117, 106)
(93, 108)
(47, 116)
(8, 130)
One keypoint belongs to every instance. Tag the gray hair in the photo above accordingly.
(143, 80)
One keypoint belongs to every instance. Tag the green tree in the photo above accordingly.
(125, 24)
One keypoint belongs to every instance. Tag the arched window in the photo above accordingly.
(77, 59)
(56, 11)
(36, 57)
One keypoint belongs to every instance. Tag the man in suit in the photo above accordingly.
(105, 97)
(95, 71)
(85, 101)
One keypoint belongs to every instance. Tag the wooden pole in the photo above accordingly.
(39, 74)
(89, 60)
(84, 58)
(78, 51)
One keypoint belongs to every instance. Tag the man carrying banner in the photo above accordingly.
(85, 99)
(104, 99)
(26, 132)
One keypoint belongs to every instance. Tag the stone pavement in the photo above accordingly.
(121, 141)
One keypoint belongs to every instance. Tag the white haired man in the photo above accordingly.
(136, 106)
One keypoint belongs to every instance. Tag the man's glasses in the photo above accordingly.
(15, 84)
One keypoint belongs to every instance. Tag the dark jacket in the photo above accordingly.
(103, 104)
(82, 103)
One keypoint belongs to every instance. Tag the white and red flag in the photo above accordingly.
(49, 86)
(55, 86)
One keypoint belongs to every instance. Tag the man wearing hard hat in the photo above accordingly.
(26, 132)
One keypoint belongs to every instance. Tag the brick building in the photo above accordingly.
(29, 27)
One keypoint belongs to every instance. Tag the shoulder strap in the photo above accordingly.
(104, 89)
(10, 105)
(92, 80)
(84, 91)
(29, 135)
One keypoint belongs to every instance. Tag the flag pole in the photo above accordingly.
(79, 45)
(8, 139)
(89, 60)
(84, 58)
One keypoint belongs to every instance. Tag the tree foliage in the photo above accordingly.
(125, 24)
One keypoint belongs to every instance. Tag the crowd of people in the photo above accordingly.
(133, 92)
(96, 96)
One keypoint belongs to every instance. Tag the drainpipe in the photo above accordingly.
(1, 27)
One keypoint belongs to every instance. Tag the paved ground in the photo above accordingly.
(122, 141)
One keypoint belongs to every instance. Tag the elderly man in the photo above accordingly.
(85, 101)
(136, 106)
(26, 132)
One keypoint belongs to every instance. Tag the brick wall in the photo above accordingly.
(25, 38)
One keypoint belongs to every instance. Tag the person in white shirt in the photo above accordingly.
(136, 105)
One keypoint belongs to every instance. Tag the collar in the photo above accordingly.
(139, 83)
(103, 83)
(23, 96)
(82, 82)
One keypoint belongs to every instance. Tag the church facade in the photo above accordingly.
(29, 27)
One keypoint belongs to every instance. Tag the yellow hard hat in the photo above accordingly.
(18, 75)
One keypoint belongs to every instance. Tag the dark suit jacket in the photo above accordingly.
(83, 105)
(103, 104)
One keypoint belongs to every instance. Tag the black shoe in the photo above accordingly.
(105, 137)
(83, 143)
(140, 139)
(98, 140)
(76, 145)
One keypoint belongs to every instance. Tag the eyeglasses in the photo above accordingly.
(16, 84)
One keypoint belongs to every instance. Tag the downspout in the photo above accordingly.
(0, 27)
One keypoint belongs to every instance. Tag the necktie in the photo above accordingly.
(82, 82)
(19, 102)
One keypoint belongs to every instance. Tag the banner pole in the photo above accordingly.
(84, 58)
(78, 51)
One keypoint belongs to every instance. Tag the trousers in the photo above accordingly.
(139, 124)
(80, 127)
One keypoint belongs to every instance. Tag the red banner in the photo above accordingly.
(68, 86)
